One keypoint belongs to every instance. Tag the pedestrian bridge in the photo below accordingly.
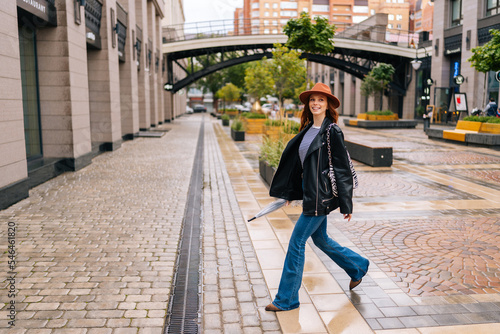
(357, 49)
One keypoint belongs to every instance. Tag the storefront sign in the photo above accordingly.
(497, 76)
(459, 79)
(43, 9)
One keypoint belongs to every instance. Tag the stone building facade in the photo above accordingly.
(459, 26)
(77, 77)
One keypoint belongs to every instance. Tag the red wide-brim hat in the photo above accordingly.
(319, 88)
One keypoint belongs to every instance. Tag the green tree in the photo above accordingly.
(236, 75)
(308, 37)
(258, 79)
(288, 72)
(377, 80)
(229, 93)
(487, 57)
(212, 82)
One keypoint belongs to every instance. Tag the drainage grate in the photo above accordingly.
(182, 315)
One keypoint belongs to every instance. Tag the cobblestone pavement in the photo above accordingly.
(97, 248)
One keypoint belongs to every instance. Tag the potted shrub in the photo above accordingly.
(225, 119)
(270, 154)
(237, 130)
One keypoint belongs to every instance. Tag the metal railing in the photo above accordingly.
(268, 26)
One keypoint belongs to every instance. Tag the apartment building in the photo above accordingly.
(78, 77)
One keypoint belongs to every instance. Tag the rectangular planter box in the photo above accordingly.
(225, 122)
(238, 135)
(470, 126)
(266, 171)
(490, 128)
(254, 125)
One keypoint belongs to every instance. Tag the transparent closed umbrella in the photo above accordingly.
(270, 208)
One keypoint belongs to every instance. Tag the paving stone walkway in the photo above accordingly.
(96, 249)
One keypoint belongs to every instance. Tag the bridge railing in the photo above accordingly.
(268, 26)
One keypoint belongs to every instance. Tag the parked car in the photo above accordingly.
(267, 108)
(189, 110)
(199, 108)
(241, 108)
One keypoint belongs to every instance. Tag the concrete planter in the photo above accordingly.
(266, 171)
(238, 135)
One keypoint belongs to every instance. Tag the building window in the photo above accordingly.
(372, 11)
(492, 7)
(320, 8)
(266, 13)
(275, 5)
(398, 26)
(399, 17)
(30, 94)
(255, 13)
(266, 22)
(266, 31)
(288, 5)
(288, 13)
(275, 22)
(456, 12)
(305, 9)
(390, 26)
(266, 5)
(391, 17)
(255, 5)
(275, 31)
(275, 14)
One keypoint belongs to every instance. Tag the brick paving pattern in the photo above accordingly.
(234, 290)
(435, 257)
(97, 247)
(446, 158)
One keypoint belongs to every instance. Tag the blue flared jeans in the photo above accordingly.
(354, 264)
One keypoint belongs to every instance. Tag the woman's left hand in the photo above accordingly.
(348, 216)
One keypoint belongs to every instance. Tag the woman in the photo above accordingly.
(302, 174)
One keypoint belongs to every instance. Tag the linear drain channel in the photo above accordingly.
(182, 315)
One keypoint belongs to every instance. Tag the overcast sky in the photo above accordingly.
(209, 10)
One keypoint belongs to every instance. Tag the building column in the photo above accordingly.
(129, 90)
(440, 68)
(104, 86)
(143, 75)
(13, 166)
(474, 80)
(153, 80)
(64, 88)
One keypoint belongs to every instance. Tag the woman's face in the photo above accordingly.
(318, 104)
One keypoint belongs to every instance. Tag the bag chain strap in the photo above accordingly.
(331, 173)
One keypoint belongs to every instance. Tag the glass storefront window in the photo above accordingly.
(31, 101)
(493, 86)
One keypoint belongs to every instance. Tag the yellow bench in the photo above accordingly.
(462, 128)
(465, 127)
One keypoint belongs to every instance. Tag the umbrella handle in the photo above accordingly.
(251, 219)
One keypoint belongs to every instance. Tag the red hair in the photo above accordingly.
(307, 115)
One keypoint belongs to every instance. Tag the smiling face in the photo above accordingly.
(318, 104)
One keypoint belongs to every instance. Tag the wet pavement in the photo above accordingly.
(97, 248)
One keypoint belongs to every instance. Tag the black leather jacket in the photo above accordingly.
(311, 183)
